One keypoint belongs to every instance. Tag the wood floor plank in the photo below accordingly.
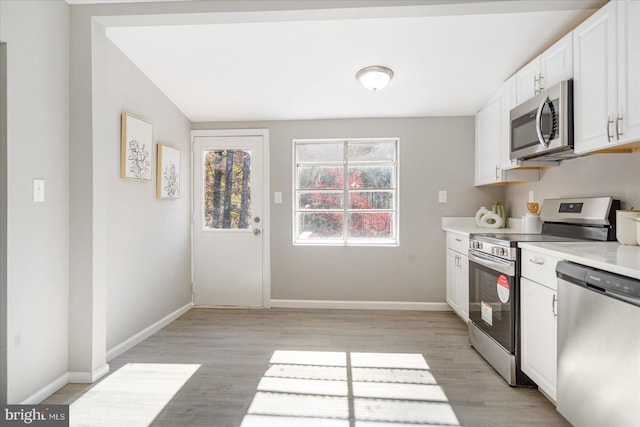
(234, 348)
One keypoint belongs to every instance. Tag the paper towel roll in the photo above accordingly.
(626, 227)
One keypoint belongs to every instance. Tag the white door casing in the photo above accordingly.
(231, 264)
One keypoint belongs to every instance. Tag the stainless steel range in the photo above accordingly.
(494, 276)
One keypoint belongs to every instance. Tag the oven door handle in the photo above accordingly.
(502, 267)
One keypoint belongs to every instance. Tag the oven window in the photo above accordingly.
(491, 303)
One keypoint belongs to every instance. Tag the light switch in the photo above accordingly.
(277, 197)
(442, 196)
(38, 190)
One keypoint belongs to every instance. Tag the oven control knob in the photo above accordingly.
(497, 251)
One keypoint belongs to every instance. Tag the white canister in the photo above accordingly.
(531, 223)
(626, 227)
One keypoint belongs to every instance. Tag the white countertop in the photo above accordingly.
(467, 225)
(608, 256)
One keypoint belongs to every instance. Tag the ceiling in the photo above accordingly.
(282, 65)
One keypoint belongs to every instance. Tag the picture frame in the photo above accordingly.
(168, 172)
(136, 150)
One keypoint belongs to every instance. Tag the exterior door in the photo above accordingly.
(230, 237)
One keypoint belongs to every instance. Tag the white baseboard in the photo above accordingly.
(361, 305)
(47, 390)
(86, 377)
(146, 333)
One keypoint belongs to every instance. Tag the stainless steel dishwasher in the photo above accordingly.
(598, 347)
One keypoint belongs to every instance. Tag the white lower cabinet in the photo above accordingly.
(539, 321)
(458, 275)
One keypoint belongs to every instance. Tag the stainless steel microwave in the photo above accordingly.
(542, 127)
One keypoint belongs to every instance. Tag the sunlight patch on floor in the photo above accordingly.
(299, 405)
(316, 358)
(385, 375)
(399, 391)
(307, 372)
(132, 396)
(269, 421)
(388, 360)
(339, 389)
(404, 411)
(304, 386)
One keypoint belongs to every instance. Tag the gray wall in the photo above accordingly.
(148, 266)
(435, 154)
(37, 41)
(3, 223)
(615, 175)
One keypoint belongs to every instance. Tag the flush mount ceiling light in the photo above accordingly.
(375, 77)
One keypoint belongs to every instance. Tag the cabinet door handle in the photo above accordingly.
(609, 123)
(497, 172)
(458, 240)
(536, 261)
(535, 86)
(554, 305)
(540, 87)
(618, 120)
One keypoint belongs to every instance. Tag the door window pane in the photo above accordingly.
(227, 189)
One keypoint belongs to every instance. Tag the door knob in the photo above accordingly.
(257, 232)
(256, 219)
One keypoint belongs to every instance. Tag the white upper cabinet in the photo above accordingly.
(492, 153)
(628, 116)
(487, 154)
(527, 81)
(594, 84)
(508, 98)
(552, 66)
(556, 63)
(606, 85)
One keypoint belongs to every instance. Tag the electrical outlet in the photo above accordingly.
(277, 197)
(442, 196)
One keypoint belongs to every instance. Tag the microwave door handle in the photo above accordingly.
(543, 142)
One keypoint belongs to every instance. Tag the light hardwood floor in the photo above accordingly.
(234, 348)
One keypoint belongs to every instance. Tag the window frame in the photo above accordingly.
(345, 240)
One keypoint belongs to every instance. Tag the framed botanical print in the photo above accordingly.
(168, 172)
(136, 148)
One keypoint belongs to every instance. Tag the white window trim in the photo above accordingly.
(345, 241)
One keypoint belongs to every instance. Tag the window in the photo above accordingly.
(346, 192)
(227, 189)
